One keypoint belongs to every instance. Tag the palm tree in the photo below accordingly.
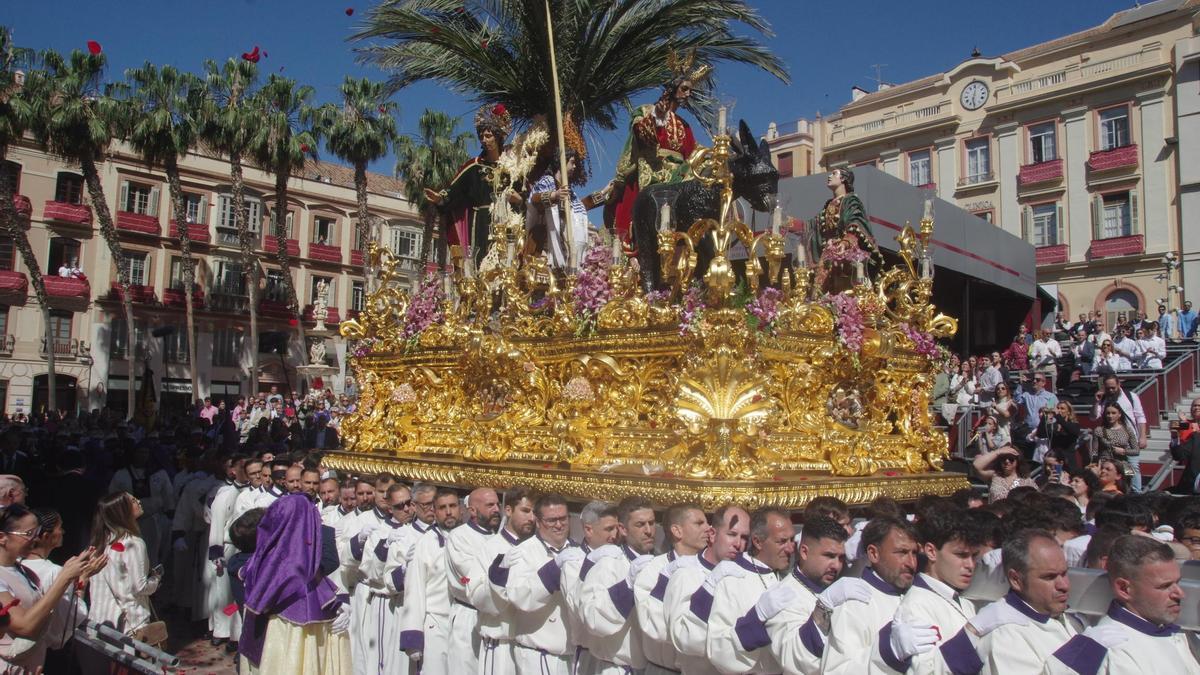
(606, 50)
(228, 123)
(15, 119)
(77, 121)
(430, 161)
(286, 137)
(362, 131)
(164, 113)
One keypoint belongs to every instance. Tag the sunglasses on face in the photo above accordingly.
(28, 534)
(402, 505)
(1005, 460)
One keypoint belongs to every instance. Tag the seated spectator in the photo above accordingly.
(1085, 484)
(1185, 448)
(989, 437)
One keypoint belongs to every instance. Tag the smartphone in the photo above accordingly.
(157, 570)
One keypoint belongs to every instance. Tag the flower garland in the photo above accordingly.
(922, 342)
(850, 321)
(693, 309)
(765, 309)
(423, 311)
(592, 290)
(364, 347)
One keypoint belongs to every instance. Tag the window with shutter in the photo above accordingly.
(918, 168)
(1059, 232)
(1045, 226)
(152, 209)
(1097, 217)
(69, 188)
(785, 164)
(1025, 230)
(1133, 213)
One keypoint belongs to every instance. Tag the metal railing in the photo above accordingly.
(65, 347)
(1076, 72)
(890, 120)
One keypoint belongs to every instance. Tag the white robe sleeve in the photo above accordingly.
(724, 645)
(606, 601)
(532, 587)
(408, 578)
(848, 651)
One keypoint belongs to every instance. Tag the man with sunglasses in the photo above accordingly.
(423, 509)
(380, 618)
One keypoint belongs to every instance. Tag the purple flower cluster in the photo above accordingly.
(693, 309)
(765, 308)
(591, 290)
(658, 297)
(849, 320)
(924, 342)
(363, 348)
(424, 310)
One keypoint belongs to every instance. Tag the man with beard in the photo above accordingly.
(310, 481)
(532, 582)
(1019, 632)
(599, 522)
(223, 625)
(344, 505)
(419, 574)
(380, 618)
(932, 611)
(491, 599)
(328, 491)
(1138, 635)
(891, 548)
(685, 577)
(606, 590)
(466, 572)
(423, 508)
(735, 587)
(688, 531)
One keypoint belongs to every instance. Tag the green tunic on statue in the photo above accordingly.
(842, 219)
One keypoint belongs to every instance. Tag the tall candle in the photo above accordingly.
(801, 255)
(616, 249)
(721, 112)
(776, 219)
(929, 208)
(664, 217)
(509, 253)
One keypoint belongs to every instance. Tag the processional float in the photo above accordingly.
(751, 388)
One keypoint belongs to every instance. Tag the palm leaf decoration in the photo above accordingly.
(495, 51)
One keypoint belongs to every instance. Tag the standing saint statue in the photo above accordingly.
(843, 245)
(659, 144)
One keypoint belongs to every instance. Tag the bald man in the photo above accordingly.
(467, 575)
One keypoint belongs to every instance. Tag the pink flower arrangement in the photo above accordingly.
(592, 289)
(658, 297)
(424, 310)
(843, 250)
(404, 394)
(693, 309)
(363, 348)
(578, 389)
(765, 308)
(923, 342)
(849, 319)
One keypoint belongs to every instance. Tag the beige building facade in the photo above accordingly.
(1073, 144)
(87, 327)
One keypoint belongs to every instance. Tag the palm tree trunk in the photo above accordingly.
(285, 260)
(189, 266)
(249, 259)
(360, 229)
(91, 176)
(12, 227)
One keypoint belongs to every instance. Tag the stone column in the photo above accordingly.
(1187, 150)
(1078, 202)
(1155, 218)
(1005, 169)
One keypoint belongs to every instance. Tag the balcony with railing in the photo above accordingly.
(1112, 247)
(1123, 157)
(175, 297)
(1042, 172)
(357, 258)
(976, 180)
(231, 298)
(325, 253)
(332, 317)
(197, 232)
(1052, 255)
(68, 288)
(138, 223)
(24, 208)
(7, 344)
(274, 307)
(137, 292)
(1077, 73)
(65, 348)
(66, 212)
(890, 122)
(13, 286)
(271, 245)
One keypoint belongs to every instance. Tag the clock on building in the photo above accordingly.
(974, 95)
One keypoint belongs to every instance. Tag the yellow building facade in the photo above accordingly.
(87, 326)
(1071, 144)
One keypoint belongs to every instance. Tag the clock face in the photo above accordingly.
(974, 95)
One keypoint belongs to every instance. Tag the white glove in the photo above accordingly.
(725, 568)
(366, 532)
(412, 550)
(395, 535)
(605, 551)
(910, 639)
(511, 558)
(1108, 636)
(846, 588)
(993, 558)
(680, 563)
(774, 600)
(180, 545)
(568, 555)
(636, 566)
(997, 614)
(341, 622)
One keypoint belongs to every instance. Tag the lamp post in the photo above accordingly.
(1170, 263)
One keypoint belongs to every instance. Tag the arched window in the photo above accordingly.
(1119, 302)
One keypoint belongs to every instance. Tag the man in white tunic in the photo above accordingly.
(932, 611)
(346, 505)
(686, 576)
(736, 592)
(223, 623)
(1138, 635)
(255, 480)
(351, 538)
(382, 605)
(466, 574)
(891, 552)
(425, 617)
(1017, 633)
(424, 515)
(496, 628)
(531, 578)
(599, 522)
(688, 532)
(606, 591)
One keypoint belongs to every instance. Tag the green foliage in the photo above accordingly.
(363, 129)
(163, 112)
(72, 116)
(432, 160)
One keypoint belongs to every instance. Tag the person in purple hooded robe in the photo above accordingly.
(294, 622)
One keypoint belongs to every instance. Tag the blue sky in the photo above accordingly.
(828, 46)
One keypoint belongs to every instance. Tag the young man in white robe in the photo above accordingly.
(1019, 632)
(496, 627)
(224, 622)
(255, 470)
(425, 617)
(346, 506)
(466, 575)
(933, 610)
(380, 618)
(687, 533)
(1138, 634)
(891, 553)
(599, 522)
(531, 579)
(606, 591)
(351, 536)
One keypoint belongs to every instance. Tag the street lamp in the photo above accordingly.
(1170, 263)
